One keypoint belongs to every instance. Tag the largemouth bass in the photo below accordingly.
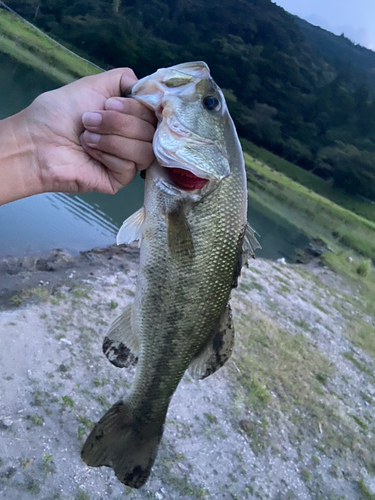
(194, 241)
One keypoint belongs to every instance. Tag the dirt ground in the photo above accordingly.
(290, 416)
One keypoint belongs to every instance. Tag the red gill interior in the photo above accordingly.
(185, 179)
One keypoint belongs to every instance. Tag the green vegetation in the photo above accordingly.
(37, 419)
(360, 366)
(29, 46)
(47, 459)
(68, 402)
(364, 267)
(362, 334)
(272, 361)
(311, 212)
(292, 372)
(310, 181)
(365, 492)
(360, 422)
(312, 106)
(82, 495)
(86, 422)
(38, 294)
(306, 475)
(211, 418)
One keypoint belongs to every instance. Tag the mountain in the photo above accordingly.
(340, 51)
(297, 90)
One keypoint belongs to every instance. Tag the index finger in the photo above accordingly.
(130, 106)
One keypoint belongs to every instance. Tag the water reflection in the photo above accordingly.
(38, 224)
(277, 237)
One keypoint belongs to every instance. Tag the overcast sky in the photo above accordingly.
(355, 18)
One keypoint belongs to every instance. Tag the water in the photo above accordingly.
(73, 223)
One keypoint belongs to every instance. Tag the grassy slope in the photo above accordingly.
(310, 181)
(315, 214)
(28, 45)
(350, 236)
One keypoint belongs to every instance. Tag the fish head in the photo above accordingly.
(194, 130)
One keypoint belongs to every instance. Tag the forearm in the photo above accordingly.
(18, 175)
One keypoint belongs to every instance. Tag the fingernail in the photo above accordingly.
(90, 119)
(91, 138)
(114, 104)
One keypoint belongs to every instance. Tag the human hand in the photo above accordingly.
(119, 137)
(103, 158)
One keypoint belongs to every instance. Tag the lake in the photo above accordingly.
(74, 223)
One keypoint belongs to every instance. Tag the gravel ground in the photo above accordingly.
(290, 416)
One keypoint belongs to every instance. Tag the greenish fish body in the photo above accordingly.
(192, 230)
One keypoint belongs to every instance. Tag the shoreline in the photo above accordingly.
(58, 268)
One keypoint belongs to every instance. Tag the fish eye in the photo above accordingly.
(211, 103)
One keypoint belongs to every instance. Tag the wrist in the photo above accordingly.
(18, 164)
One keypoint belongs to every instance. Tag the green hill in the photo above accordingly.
(342, 53)
(287, 92)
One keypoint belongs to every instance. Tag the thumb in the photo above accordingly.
(112, 83)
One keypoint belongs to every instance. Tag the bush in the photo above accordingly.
(364, 267)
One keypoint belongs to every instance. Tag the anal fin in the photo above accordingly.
(121, 344)
(218, 349)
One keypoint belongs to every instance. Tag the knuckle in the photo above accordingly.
(129, 72)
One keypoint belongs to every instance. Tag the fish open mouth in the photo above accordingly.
(185, 179)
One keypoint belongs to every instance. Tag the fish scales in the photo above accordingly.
(172, 298)
(192, 228)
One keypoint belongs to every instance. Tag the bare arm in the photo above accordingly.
(59, 144)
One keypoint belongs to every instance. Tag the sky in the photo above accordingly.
(354, 18)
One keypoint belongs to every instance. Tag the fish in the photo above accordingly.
(194, 240)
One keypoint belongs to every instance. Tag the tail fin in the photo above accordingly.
(117, 442)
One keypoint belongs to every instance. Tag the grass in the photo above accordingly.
(362, 335)
(365, 492)
(312, 213)
(274, 362)
(360, 366)
(86, 422)
(31, 47)
(281, 374)
(82, 495)
(364, 267)
(310, 181)
(37, 419)
(211, 418)
(38, 294)
(67, 402)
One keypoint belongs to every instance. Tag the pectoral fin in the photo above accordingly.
(218, 349)
(247, 249)
(180, 241)
(131, 229)
(250, 243)
(120, 344)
